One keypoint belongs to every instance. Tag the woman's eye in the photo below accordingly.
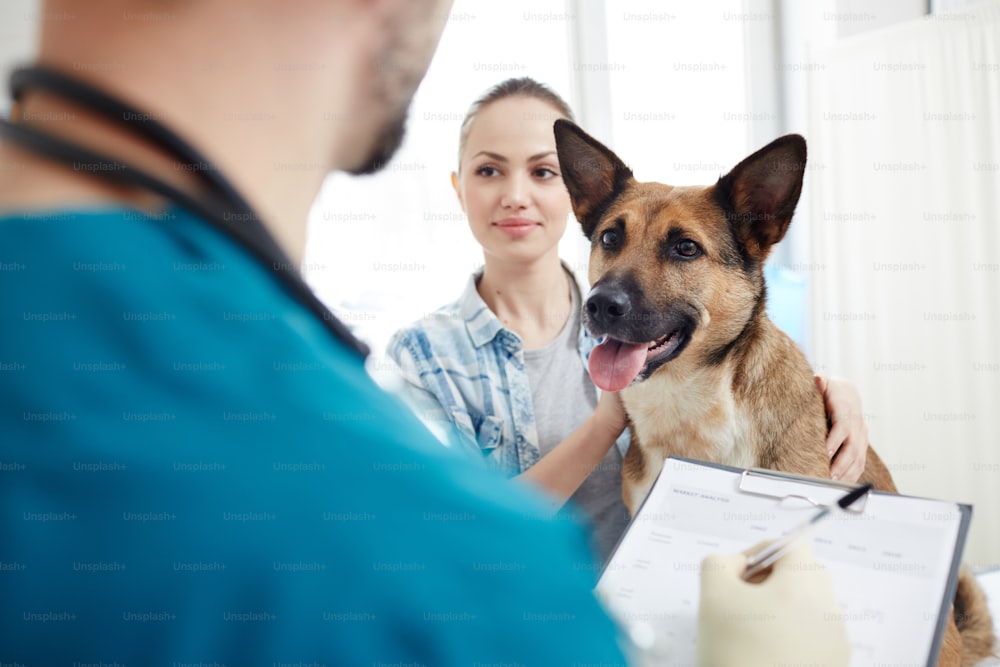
(688, 248)
(545, 173)
(487, 170)
(611, 239)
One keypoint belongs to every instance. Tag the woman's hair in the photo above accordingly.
(523, 86)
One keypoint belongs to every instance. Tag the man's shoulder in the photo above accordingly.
(146, 313)
(203, 419)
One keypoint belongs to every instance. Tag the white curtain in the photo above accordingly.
(904, 141)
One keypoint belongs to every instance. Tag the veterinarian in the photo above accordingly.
(502, 371)
(169, 494)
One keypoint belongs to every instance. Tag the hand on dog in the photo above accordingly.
(610, 413)
(847, 441)
(791, 617)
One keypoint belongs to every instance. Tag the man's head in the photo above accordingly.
(380, 48)
(397, 66)
(276, 94)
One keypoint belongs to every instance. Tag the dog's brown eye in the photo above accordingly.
(688, 248)
(611, 239)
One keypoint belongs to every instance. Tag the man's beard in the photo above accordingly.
(395, 76)
(388, 142)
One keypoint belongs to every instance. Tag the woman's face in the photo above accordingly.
(509, 182)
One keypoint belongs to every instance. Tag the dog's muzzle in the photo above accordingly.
(638, 338)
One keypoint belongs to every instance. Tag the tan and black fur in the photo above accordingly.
(685, 265)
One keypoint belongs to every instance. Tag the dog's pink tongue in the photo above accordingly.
(613, 364)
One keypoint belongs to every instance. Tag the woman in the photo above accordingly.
(504, 368)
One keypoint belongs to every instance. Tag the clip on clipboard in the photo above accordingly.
(787, 489)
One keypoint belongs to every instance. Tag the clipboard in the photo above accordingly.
(894, 559)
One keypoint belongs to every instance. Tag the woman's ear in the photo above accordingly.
(458, 191)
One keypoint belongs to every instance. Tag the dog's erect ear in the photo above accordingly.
(760, 193)
(592, 173)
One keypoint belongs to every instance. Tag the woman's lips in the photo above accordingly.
(516, 227)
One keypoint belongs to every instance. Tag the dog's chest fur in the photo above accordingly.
(695, 416)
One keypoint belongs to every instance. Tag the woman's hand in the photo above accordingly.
(847, 441)
(610, 413)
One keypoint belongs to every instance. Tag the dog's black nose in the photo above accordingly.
(606, 306)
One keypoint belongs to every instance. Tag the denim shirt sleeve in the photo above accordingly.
(447, 425)
(439, 410)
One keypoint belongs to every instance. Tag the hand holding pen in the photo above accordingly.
(766, 555)
(791, 618)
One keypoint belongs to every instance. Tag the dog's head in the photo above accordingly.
(675, 272)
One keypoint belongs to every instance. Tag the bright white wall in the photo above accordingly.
(678, 94)
(18, 20)
(803, 29)
(905, 238)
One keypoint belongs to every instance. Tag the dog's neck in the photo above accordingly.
(695, 410)
(696, 414)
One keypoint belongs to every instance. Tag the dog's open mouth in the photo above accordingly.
(615, 364)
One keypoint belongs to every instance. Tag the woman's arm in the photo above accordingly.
(561, 472)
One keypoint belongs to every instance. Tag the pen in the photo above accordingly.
(769, 553)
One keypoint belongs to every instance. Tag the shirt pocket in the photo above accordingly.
(487, 437)
(490, 434)
(496, 447)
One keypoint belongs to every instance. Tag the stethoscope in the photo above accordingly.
(224, 208)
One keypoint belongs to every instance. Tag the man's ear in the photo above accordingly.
(760, 193)
(458, 191)
(594, 175)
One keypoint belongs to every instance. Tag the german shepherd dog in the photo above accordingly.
(678, 294)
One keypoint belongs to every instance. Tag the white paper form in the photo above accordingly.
(891, 564)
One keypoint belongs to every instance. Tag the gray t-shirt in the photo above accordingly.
(563, 397)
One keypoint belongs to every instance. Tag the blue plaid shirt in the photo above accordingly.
(465, 377)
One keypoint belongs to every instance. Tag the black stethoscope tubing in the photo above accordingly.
(226, 210)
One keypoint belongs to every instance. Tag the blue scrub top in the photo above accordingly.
(193, 471)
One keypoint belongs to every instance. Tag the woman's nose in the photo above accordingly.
(515, 192)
